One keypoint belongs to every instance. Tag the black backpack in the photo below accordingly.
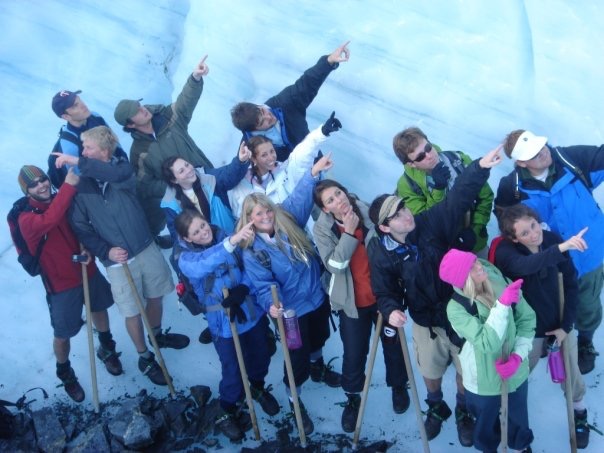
(31, 263)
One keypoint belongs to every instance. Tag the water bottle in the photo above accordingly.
(389, 334)
(293, 339)
(555, 363)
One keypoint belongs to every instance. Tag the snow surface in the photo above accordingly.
(466, 72)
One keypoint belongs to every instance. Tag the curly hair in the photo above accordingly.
(103, 137)
(508, 216)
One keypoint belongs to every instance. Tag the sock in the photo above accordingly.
(63, 368)
(157, 330)
(146, 354)
(316, 356)
(585, 336)
(289, 393)
(460, 398)
(435, 397)
(579, 406)
(229, 408)
(106, 339)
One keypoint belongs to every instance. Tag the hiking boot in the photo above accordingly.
(150, 368)
(307, 423)
(351, 412)
(400, 399)
(242, 416)
(267, 401)
(72, 386)
(436, 414)
(319, 372)
(227, 424)
(587, 357)
(581, 429)
(171, 340)
(110, 358)
(205, 337)
(465, 426)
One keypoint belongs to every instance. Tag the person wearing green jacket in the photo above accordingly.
(429, 175)
(498, 333)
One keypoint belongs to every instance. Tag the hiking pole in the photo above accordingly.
(242, 370)
(95, 389)
(141, 308)
(503, 413)
(418, 409)
(368, 374)
(568, 385)
(290, 371)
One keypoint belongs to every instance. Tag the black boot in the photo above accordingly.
(150, 368)
(267, 401)
(319, 372)
(351, 412)
(307, 423)
(106, 353)
(437, 413)
(70, 383)
(205, 337)
(582, 428)
(465, 426)
(171, 340)
(587, 356)
(228, 425)
(400, 399)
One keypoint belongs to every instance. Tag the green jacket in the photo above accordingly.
(418, 197)
(147, 153)
(486, 334)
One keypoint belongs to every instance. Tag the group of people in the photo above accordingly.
(243, 237)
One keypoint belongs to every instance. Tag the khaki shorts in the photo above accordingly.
(151, 275)
(434, 355)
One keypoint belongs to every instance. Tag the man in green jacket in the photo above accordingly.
(429, 175)
(159, 132)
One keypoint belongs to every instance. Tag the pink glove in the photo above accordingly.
(507, 369)
(511, 294)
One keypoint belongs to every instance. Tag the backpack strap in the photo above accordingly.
(465, 303)
(575, 170)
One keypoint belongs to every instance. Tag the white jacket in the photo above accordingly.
(284, 177)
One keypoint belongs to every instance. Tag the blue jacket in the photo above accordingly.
(564, 202)
(69, 143)
(298, 284)
(212, 268)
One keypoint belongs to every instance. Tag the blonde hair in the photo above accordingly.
(284, 224)
(483, 293)
(103, 137)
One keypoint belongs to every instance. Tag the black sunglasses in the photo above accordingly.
(422, 155)
(35, 183)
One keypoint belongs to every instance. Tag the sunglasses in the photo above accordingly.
(40, 180)
(422, 155)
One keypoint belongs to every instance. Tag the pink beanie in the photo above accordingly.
(456, 266)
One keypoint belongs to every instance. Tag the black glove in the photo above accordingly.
(331, 125)
(466, 240)
(440, 175)
(233, 301)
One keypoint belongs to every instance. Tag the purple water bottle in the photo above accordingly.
(555, 363)
(293, 339)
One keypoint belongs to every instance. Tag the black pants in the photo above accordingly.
(314, 330)
(355, 334)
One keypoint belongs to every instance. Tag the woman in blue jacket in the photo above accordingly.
(212, 261)
(281, 254)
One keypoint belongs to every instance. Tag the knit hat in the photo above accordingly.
(63, 100)
(528, 146)
(125, 110)
(456, 266)
(27, 176)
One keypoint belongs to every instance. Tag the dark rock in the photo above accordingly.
(138, 433)
(201, 394)
(92, 440)
(49, 432)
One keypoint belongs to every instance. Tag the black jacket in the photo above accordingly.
(540, 274)
(399, 281)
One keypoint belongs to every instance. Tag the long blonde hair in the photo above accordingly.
(483, 293)
(284, 224)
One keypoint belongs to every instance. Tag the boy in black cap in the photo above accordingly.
(69, 106)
